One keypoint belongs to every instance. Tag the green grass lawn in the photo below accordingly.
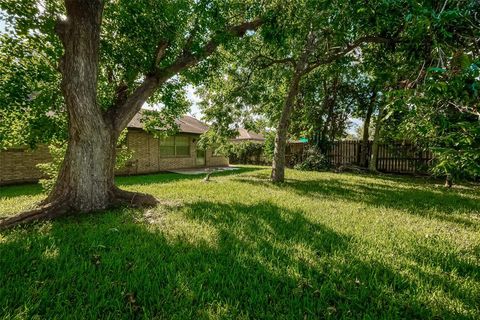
(320, 245)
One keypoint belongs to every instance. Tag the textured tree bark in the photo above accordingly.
(86, 179)
(278, 165)
(86, 176)
(366, 127)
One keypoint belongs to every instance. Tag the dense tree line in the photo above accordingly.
(409, 70)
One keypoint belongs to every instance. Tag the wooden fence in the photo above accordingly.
(397, 157)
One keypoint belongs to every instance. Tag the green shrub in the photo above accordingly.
(50, 169)
(269, 146)
(123, 153)
(314, 160)
(245, 152)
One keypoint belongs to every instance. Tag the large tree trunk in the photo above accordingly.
(278, 165)
(366, 133)
(86, 179)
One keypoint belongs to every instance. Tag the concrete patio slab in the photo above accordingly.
(195, 171)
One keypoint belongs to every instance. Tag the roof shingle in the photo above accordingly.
(186, 124)
(244, 134)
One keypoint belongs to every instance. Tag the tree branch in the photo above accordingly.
(465, 109)
(346, 50)
(160, 52)
(125, 112)
(272, 61)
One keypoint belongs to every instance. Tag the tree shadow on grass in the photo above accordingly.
(422, 180)
(166, 177)
(20, 190)
(255, 261)
(414, 198)
(448, 263)
(13, 191)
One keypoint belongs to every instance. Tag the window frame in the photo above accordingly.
(187, 145)
(175, 153)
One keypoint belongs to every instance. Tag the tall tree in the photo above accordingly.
(115, 58)
(303, 37)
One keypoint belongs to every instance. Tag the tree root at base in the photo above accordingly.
(133, 199)
(62, 207)
(44, 212)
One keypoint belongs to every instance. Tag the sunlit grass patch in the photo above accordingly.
(320, 245)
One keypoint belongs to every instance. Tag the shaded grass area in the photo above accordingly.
(320, 245)
(14, 191)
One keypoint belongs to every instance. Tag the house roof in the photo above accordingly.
(186, 124)
(244, 134)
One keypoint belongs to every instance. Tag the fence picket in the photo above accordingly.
(396, 157)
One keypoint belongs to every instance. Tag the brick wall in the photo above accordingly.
(216, 161)
(19, 165)
(147, 158)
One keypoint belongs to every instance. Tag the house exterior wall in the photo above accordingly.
(19, 165)
(216, 161)
(147, 158)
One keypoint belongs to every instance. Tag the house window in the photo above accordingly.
(175, 147)
(182, 146)
(167, 147)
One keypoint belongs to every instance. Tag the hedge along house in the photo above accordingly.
(252, 150)
(149, 154)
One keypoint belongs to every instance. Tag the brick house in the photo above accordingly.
(149, 154)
